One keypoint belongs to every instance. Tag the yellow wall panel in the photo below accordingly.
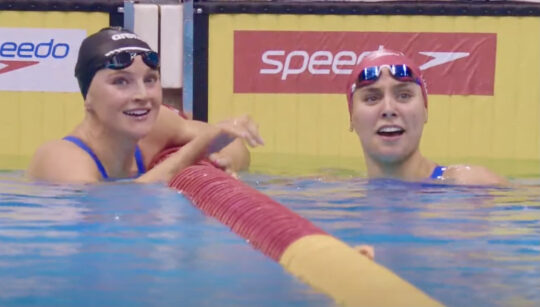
(31, 118)
(9, 123)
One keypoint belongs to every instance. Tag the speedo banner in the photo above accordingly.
(39, 95)
(321, 61)
(39, 59)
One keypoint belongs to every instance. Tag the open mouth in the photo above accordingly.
(137, 112)
(390, 131)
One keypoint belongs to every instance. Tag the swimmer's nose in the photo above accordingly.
(388, 110)
(141, 92)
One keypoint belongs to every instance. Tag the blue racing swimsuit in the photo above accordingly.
(438, 172)
(83, 146)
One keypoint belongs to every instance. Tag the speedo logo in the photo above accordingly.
(320, 62)
(15, 55)
(323, 62)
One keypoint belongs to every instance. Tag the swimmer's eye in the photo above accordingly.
(404, 96)
(371, 99)
(151, 78)
(120, 81)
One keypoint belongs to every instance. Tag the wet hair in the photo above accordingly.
(96, 49)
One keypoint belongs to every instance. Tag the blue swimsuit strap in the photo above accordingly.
(83, 146)
(438, 171)
(140, 162)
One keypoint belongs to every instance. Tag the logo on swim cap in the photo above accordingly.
(96, 49)
(120, 36)
(384, 52)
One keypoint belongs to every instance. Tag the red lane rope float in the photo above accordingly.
(306, 251)
(249, 213)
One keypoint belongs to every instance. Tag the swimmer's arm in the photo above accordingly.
(233, 156)
(187, 155)
(57, 162)
(474, 175)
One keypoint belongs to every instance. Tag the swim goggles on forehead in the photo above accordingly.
(400, 72)
(124, 59)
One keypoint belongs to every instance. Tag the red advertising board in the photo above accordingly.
(320, 62)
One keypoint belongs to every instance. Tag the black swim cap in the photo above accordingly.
(96, 48)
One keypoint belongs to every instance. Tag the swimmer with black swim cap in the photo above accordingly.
(110, 44)
(125, 124)
(388, 107)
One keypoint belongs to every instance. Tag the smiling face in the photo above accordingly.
(389, 116)
(125, 101)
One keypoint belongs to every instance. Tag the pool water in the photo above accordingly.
(463, 245)
(146, 245)
(128, 245)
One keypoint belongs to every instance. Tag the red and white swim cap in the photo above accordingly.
(384, 57)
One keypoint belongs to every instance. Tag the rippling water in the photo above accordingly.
(145, 245)
(128, 245)
(465, 246)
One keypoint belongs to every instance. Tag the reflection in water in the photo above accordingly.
(128, 245)
(13, 288)
(465, 246)
(145, 245)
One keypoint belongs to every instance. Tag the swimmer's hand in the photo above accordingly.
(243, 127)
(366, 250)
(224, 163)
(227, 150)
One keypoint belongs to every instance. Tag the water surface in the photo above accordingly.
(146, 245)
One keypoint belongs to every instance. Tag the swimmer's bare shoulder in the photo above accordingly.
(473, 175)
(61, 161)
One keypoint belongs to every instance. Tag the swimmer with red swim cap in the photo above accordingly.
(388, 107)
(125, 124)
